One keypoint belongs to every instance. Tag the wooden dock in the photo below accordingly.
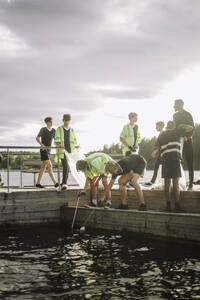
(34, 207)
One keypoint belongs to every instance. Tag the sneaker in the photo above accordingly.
(92, 204)
(197, 182)
(178, 208)
(142, 207)
(38, 185)
(56, 185)
(168, 207)
(190, 187)
(108, 204)
(63, 187)
(123, 206)
(148, 183)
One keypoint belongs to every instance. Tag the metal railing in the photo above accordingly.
(8, 148)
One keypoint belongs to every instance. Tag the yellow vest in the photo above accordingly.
(59, 138)
(96, 164)
(128, 136)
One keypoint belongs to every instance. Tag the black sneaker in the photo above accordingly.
(108, 204)
(56, 185)
(123, 206)
(168, 207)
(142, 207)
(38, 185)
(178, 208)
(190, 187)
(148, 183)
(197, 182)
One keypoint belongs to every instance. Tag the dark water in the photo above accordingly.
(50, 264)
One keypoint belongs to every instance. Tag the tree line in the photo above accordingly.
(146, 148)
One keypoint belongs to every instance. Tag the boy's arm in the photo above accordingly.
(38, 139)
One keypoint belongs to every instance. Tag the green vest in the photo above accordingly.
(96, 164)
(59, 138)
(128, 136)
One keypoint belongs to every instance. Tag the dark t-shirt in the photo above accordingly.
(169, 144)
(184, 117)
(46, 136)
(134, 162)
(67, 140)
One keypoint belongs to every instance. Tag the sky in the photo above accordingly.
(98, 60)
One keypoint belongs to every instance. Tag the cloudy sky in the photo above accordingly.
(98, 60)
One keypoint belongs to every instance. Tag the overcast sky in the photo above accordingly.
(98, 60)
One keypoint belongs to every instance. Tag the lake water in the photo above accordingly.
(49, 263)
(28, 178)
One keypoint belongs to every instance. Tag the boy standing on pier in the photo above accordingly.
(1, 159)
(130, 136)
(65, 137)
(159, 127)
(94, 168)
(182, 116)
(170, 151)
(129, 168)
(44, 138)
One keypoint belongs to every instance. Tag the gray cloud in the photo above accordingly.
(75, 47)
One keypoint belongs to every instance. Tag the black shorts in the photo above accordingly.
(44, 154)
(171, 169)
(139, 169)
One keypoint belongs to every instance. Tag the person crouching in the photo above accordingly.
(129, 168)
(93, 167)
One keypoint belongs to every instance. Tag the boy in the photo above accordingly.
(129, 168)
(44, 138)
(1, 159)
(130, 136)
(159, 127)
(182, 116)
(65, 137)
(94, 168)
(170, 151)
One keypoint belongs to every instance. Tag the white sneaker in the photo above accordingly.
(63, 187)
(108, 204)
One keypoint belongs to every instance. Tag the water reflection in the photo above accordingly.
(49, 264)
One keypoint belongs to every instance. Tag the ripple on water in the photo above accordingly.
(49, 264)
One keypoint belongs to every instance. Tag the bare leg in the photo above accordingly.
(134, 182)
(176, 189)
(122, 185)
(93, 188)
(107, 192)
(167, 189)
(50, 171)
(43, 167)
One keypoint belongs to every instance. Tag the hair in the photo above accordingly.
(132, 114)
(111, 166)
(171, 125)
(81, 165)
(160, 123)
(48, 119)
(179, 101)
(67, 117)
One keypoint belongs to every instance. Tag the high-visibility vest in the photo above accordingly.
(59, 138)
(128, 136)
(96, 164)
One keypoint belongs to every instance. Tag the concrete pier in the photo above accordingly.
(36, 207)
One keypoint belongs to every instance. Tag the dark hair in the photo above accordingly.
(67, 117)
(160, 123)
(48, 119)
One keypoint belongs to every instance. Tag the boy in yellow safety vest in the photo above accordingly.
(130, 136)
(93, 167)
(65, 137)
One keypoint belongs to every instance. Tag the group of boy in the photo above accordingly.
(100, 166)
